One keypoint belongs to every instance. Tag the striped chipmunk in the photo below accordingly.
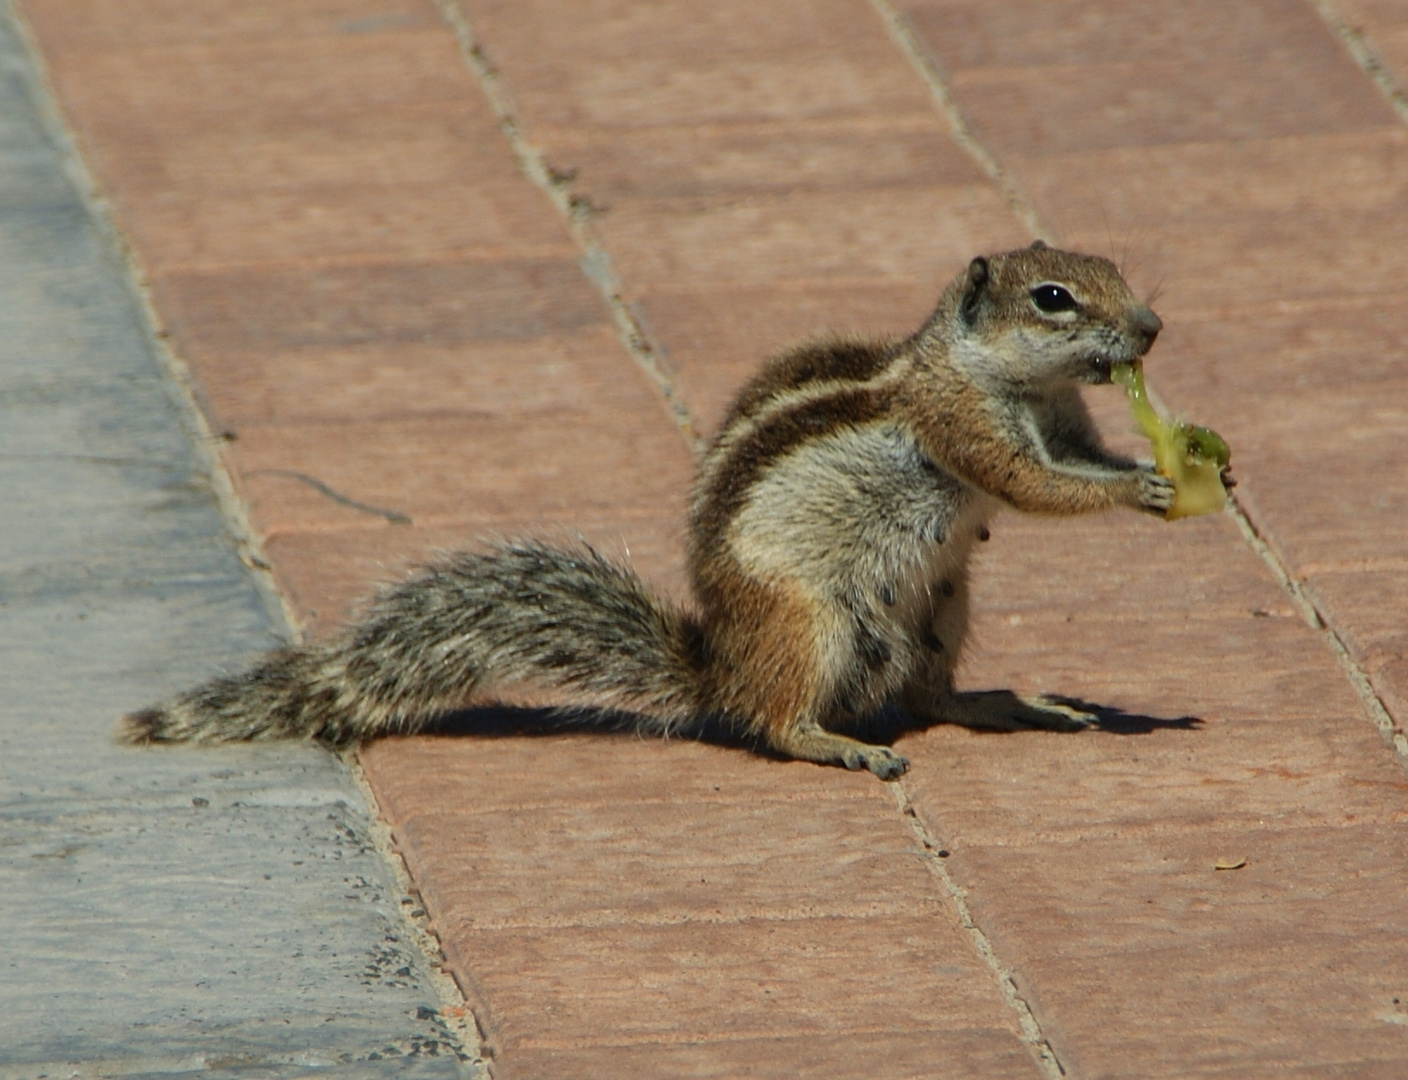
(832, 523)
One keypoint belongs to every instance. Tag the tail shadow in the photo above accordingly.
(500, 721)
(882, 727)
(889, 724)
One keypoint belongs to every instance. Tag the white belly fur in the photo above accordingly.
(850, 518)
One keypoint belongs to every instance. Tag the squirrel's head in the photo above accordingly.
(1040, 315)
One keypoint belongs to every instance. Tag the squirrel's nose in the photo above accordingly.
(1146, 324)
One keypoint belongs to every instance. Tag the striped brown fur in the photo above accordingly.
(830, 359)
(723, 485)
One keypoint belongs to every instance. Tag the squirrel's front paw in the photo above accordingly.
(1156, 491)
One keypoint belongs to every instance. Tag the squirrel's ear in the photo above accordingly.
(1038, 245)
(973, 294)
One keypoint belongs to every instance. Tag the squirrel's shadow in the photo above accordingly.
(889, 724)
(883, 727)
(1116, 721)
(491, 721)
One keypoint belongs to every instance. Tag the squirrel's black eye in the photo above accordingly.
(1053, 299)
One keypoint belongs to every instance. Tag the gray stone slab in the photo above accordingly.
(220, 912)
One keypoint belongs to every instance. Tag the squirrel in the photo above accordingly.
(830, 533)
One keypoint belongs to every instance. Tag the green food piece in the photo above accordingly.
(1193, 457)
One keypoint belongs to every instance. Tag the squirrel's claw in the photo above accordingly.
(880, 760)
(1156, 492)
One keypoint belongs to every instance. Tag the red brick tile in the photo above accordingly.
(1250, 359)
(1086, 33)
(1216, 225)
(932, 1055)
(1366, 605)
(457, 468)
(1315, 523)
(1231, 771)
(498, 772)
(1122, 566)
(1180, 621)
(1389, 681)
(615, 29)
(340, 84)
(311, 146)
(1061, 110)
(1164, 668)
(666, 862)
(1161, 191)
(1148, 613)
(93, 24)
(362, 179)
(1139, 951)
(624, 66)
(1310, 404)
(1195, 735)
(347, 221)
(703, 162)
(424, 144)
(586, 371)
(1385, 29)
(1266, 262)
(679, 86)
(1221, 270)
(905, 233)
(698, 981)
(1275, 70)
(420, 469)
(449, 302)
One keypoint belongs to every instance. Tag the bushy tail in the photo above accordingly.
(521, 613)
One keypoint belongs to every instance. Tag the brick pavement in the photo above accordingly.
(468, 265)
